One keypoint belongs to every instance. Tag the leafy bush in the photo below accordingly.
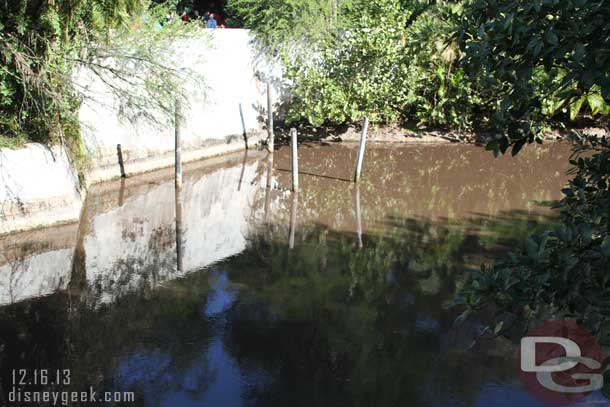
(538, 57)
(355, 74)
(281, 22)
(392, 62)
(439, 91)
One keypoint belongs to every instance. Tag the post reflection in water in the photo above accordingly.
(358, 215)
(179, 238)
(190, 297)
(243, 169)
(268, 186)
(122, 192)
(294, 207)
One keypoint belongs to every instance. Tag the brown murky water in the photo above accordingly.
(335, 296)
(429, 181)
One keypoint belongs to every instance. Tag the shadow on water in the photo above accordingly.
(335, 296)
(316, 175)
(339, 325)
(326, 323)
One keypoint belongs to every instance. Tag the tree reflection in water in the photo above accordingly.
(324, 324)
(355, 314)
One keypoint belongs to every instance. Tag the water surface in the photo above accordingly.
(249, 294)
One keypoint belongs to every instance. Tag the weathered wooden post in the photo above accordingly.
(295, 187)
(270, 136)
(293, 219)
(119, 153)
(295, 160)
(178, 143)
(365, 128)
(358, 216)
(243, 126)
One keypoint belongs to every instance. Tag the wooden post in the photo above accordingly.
(119, 153)
(293, 219)
(178, 143)
(270, 136)
(295, 160)
(365, 128)
(358, 216)
(243, 126)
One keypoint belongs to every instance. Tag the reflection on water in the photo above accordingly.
(36, 263)
(235, 291)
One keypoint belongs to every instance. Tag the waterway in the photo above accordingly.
(249, 294)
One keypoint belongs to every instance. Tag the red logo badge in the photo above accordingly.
(560, 363)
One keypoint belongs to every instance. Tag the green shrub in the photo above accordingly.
(540, 57)
(391, 62)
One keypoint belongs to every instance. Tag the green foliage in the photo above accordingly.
(354, 75)
(281, 22)
(143, 67)
(439, 91)
(538, 57)
(397, 61)
(393, 62)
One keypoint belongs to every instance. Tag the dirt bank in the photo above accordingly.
(397, 134)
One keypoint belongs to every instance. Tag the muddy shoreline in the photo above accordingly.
(397, 134)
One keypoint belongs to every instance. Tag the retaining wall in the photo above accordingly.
(39, 187)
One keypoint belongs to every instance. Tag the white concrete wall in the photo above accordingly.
(228, 104)
(38, 187)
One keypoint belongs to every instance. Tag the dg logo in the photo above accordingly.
(560, 363)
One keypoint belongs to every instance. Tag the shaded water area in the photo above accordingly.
(253, 295)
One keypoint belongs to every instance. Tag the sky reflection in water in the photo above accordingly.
(246, 320)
